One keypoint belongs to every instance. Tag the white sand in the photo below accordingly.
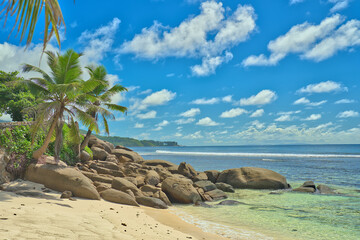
(38, 218)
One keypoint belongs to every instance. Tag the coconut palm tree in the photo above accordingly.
(27, 13)
(101, 103)
(65, 96)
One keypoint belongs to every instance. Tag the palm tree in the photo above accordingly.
(102, 100)
(65, 96)
(27, 13)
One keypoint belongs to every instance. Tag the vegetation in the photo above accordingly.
(15, 98)
(27, 14)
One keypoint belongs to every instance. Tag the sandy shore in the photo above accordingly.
(49, 217)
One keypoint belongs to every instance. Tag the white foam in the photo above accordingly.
(244, 154)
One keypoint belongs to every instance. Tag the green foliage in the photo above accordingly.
(15, 98)
(88, 150)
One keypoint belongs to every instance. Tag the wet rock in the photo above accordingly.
(225, 187)
(205, 185)
(323, 189)
(230, 203)
(304, 189)
(309, 184)
(202, 204)
(217, 194)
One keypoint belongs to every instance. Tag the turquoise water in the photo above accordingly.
(279, 216)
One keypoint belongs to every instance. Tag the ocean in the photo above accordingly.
(277, 216)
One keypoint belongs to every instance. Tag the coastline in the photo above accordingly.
(24, 217)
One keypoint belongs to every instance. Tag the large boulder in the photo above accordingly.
(200, 176)
(212, 175)
(180, 190)
(187, 170)
(99, 154)
(84, 156)
(205, 185)
(133, 156)
(253, 178)
(94, 141)
(152, 178)
(96, 177)
(216, 194)
(62, 179)
(122, 184)
(116, 196)
(151, 202)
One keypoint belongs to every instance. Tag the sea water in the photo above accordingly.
(289, 215)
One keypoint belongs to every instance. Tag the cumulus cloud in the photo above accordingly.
(323, 87)
(257, 113)
(348, 114)
(227, 99)
(314, 42)
(185, 121)
(207, 122)
(342, 101)
(148, 115)
(305, 101)
(313, 117)
(139, 125)
(163, 123)
(284, 118)
(338, 5)
(233, 113)
(204, 101)
(190, 113)
(159, 98)
(196, 135)
(262, 98)
(208, 36)
(257, 124)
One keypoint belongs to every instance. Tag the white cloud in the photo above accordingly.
(6, 117)
(295, 1)
(178, 134)
(204, 101)
(159, 98)
(190, 113)
(347, 114)
(209, 64)
(307, 102)
(145, 92)
(227, 99)
(207, 122)
(148, 115)
(313, 117)
(233, 113)
(163, 123)
(257, 124)
(139, 125)
(323, 87)
(315, 42)
(207, 36)
(342, 101)
(170, 74)
(262, 98)
(196, 135)
(284, 118)
(185, 121)
(339, 5)
(257, 113)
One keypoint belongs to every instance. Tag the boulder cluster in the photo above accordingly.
(310, 187)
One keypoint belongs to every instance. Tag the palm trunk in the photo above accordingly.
(58, 140)
(86, 140)
(38, 153)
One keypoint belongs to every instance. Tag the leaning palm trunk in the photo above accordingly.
(58, 140)
(85, 142)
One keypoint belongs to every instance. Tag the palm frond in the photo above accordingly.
(86, 119)
(116, 107)
(106, 126)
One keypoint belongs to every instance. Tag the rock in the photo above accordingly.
(152, 178)
(304, 189)
(132, 180)
(122, 184)
(84, 156)
(253, 178)
(66, 194)
(108, 165)
(99, 154)
(229, 203)
(151, 202)
(149, 190)
(202, 204)
(116, 196)
(180, 190)
(61, 179)
(323, 189)
(187, 170)
(103, 170)
(130, 193)
(205, 185)
(204, 197)
(124, 148)
(216, 194)
(135, 157)
(102, 187)
(212, 175)
(140, 181)
(112, 158)
(225, 187)
(94, 141)
(165, 164)
(97, 177)
(200, 176)
(309, 184)
(162, 196)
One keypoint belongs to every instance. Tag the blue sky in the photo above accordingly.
(219, 72)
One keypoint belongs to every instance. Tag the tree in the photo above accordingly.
(27, 13)
(65, 97)
(102, 100)
(15, 98)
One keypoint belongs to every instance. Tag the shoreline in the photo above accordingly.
(24, 217)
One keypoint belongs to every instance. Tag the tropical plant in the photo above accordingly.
(27, 13)
(65, 97)
(101, 103)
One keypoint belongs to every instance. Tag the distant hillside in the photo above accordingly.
(132, 142)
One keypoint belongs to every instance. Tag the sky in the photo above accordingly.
(217, 72)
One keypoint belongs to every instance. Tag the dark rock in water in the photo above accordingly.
(323, 189)
(205, 185)
(217, 194)
(305, 189)
(202, 204)
(66, 194)
(151, 202)
(253, 178)
(225, 187)
(309, 184)
(230, 203)
(276, 192)
(212, 175)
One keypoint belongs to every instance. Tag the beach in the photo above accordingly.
(24, 217)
